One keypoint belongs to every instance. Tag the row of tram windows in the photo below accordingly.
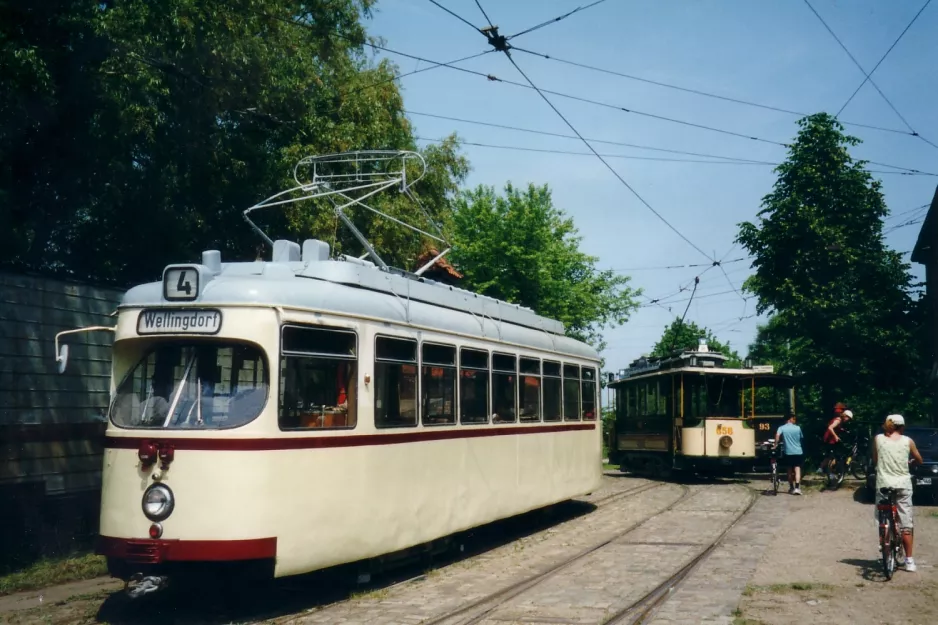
(704, 396)
(427, 382)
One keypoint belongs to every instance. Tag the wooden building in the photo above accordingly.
(926, 253)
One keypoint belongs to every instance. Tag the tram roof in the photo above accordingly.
(714, 371)
(310, 280)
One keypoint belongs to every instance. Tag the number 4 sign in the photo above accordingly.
(181, 283)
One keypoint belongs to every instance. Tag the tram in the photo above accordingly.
(301, 412)
(688, 412)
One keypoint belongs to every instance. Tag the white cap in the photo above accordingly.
(848, 414)
(896, 419)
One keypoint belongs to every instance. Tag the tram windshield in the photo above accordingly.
(193, 385)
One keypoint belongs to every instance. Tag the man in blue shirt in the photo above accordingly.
(793, 455)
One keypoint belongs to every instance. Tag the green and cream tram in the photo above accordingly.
(689, 412)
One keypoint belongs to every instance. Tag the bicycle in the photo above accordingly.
(847, 459)
(773, 464)
(890, 541)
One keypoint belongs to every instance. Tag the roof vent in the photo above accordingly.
(315, 250)
(702, 347)
(212, 260)
(286, 251)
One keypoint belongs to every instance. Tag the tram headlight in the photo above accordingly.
(158, 502)
(726, 442)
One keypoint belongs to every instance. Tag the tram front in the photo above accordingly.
(191, 385)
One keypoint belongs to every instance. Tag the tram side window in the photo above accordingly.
(504, 387)
(395, 382)
(473, 386)
(438, 384)
(530, 389)
(318, 378)
(571, 392)
(553, 404)
(588, 385)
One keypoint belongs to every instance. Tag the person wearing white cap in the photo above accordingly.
(891, 451)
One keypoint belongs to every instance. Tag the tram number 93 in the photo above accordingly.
(764, 427)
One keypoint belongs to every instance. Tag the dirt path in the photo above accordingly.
(824, 567)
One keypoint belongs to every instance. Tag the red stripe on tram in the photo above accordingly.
(149, 551)
(318, 442)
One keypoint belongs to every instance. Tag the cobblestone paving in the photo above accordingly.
(592, 588)
(712, 592)
(455, 585)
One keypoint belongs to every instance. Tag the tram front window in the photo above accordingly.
(193, 385)
(712, 396)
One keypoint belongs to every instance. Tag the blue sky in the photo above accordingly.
(774, 52)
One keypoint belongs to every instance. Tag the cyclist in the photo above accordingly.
(836, 428)
(891, 452)
(792, 437)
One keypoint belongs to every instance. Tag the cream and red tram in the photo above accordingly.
(304, 412)
(690, 413)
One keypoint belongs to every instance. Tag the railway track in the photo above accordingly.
(639, 611)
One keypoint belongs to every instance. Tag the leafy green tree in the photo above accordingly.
(682, 335)
(133, 133)
(520, 248)
(839, 298)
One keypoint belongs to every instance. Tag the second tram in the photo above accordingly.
(689, 412)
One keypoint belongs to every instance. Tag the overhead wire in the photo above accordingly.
(695, 91)
(882, 58)
(457, 16)
(417, 71)
(553, 20)
(499, 43)
(867, 75)
(625, 156)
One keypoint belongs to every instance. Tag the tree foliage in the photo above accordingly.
(839, 298)
(682, 335)
(134, 133)
(520, 248)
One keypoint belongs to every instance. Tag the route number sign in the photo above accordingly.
(181, 284)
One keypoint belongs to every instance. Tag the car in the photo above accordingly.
(924, 476)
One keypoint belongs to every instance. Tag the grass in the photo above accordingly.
(51, 572)
(376, 595)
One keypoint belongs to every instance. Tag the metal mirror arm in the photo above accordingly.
(61, 354)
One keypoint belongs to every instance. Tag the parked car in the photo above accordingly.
(924, 476)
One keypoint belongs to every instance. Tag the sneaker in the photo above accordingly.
(909, 565)
(797, 491)
(791, 490)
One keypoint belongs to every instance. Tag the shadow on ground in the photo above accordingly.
(871, 570)
(239, 602)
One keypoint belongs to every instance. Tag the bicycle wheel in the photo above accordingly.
(886, 541)
(775, 479)
(840, 472)
(860, 467)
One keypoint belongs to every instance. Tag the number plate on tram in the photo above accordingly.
(923, 481)
(191, 321)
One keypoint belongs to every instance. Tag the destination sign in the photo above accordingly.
(191, 321)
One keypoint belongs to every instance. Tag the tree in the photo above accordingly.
(520, 248)
(133, 133)
(686, 335)
(839, 297)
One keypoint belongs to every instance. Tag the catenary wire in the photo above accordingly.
(624, 156)
(520, 148)
(863, 71)
(695, 91)
(417, 71)
(883, 58)
(604, 162)
(457, 16)
(554, 20)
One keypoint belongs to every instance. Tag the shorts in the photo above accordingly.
(903, 503)
(791, 461)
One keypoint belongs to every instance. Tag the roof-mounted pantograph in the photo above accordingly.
(346, 180)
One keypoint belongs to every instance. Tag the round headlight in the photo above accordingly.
(726, 442)
(158, 502)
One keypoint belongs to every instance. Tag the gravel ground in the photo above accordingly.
(824, 567)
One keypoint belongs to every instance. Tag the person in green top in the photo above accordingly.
(793, 453)
(891, 451)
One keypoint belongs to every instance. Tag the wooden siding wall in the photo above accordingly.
(51, 425)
